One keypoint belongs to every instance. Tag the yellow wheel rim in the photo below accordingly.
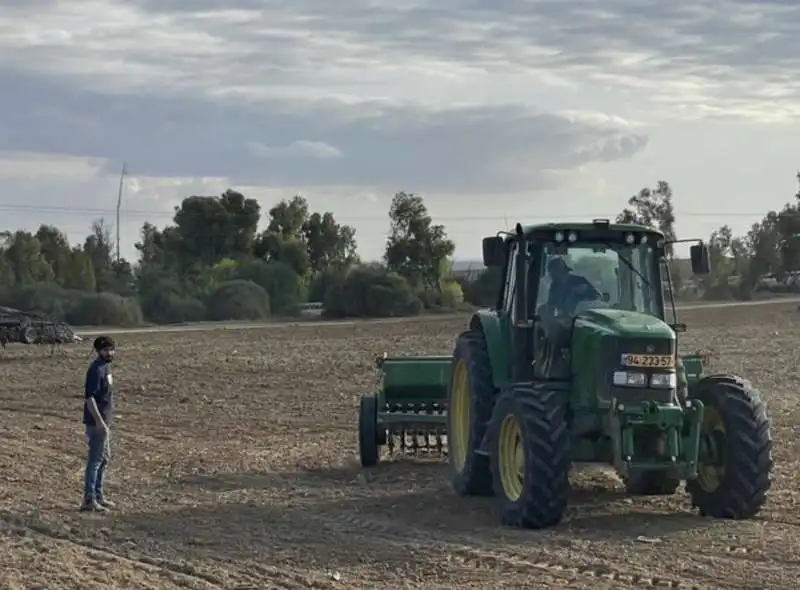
(459, 410)
(711, 466)
(511, 458)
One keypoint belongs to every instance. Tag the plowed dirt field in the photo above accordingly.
(235, 467)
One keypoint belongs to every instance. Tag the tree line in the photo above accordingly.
(213, 263)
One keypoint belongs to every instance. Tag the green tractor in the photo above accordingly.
(578, 363)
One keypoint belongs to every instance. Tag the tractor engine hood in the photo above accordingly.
(625, 323)
(624, 355)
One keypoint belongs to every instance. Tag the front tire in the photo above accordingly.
(470, 399)
(735, 464)
(530, 456)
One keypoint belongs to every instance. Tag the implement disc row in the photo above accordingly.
(413, 437)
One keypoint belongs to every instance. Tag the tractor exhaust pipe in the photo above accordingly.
(521, 369)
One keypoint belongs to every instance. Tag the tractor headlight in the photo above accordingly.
(630, 379)
(664, 380)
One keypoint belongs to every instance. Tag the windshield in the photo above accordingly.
(626, 277)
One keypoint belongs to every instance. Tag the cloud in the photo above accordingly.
(725, 57)
(469, 148)
(297, 149)
(451, 98)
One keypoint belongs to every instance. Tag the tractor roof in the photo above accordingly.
(598, 224)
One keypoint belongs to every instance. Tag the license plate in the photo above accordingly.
(656, 361)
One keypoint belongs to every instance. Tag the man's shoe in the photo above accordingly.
(93, 506)
(105, 503)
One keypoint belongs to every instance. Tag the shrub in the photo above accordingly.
(45, 298)
(183, 308)
(285, 287)
(105, 309)
(452, 295)
(165, 303)
(370, 291)
(321, 282)
(483, 290)
(239, 300)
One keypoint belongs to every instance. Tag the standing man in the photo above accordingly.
(98, 409)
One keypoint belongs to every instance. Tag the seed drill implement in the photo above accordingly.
(407, 414)
(577, 362)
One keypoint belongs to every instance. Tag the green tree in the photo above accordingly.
(111, 276)
(159, 256)
(212, 228)
(283, 239)
(763, 244)
(287, 218)
(80, 273)
(55, 249)
(304, 240)
(652, 208)
(99, 248)
(329, 243)
(655, 208)
(416, 246)
(23, 254)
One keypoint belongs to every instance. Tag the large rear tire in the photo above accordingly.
(530, 456)
(735, 464)
(470, 399)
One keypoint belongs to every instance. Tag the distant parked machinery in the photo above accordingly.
(18, 327)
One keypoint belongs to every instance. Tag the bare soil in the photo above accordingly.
(235, 467)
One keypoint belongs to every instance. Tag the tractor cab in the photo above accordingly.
(562, 281)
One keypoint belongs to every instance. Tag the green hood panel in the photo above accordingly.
(632, 324)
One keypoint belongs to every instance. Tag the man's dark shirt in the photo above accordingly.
(99, 387)
(566, 293)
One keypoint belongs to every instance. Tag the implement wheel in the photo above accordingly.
(470, 399)
(530, 457)
(735, 463)
(368, 436)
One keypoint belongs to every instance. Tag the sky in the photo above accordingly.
(495, 111)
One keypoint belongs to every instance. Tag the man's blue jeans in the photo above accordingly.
(96, 463)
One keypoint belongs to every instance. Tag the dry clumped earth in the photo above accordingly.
(235, 467)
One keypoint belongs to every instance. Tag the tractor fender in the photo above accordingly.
(497, 338)
(707, 381)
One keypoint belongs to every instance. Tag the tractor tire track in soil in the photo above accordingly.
(234, 466)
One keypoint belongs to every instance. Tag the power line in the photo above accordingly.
(382, 218)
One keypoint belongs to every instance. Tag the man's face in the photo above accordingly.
(108, 354)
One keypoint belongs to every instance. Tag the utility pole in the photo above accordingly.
(119, 202)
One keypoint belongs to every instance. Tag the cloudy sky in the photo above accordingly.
(493, 110)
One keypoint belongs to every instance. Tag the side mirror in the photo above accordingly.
(493, 251)
(701, 263)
